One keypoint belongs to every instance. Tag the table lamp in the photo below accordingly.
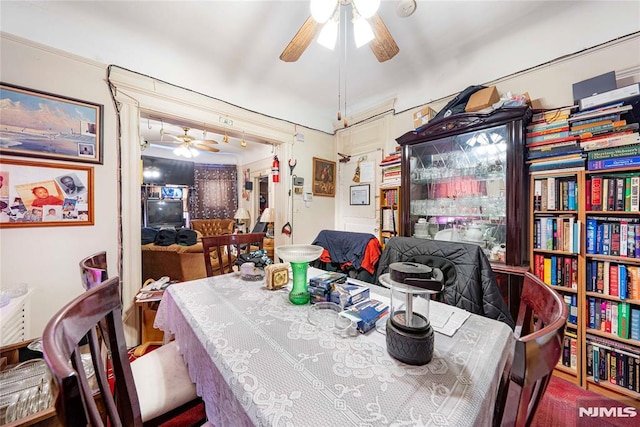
(241, 215)
(268, 216)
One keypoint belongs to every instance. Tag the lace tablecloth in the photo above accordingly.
(256, 360)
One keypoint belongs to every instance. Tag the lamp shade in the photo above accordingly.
(268, 215)
(241, 214)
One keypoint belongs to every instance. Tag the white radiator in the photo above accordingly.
(14, 321)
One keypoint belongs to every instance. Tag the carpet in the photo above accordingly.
(560, 403)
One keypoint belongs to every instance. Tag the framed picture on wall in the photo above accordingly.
(48, 126)
(359, 194)
(34, 194)
(324, 177)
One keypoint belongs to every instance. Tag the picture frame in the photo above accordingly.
(38, 194)
(359, 195)
(324, 177)
(48, 126)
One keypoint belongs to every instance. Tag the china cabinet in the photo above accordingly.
(464, 180)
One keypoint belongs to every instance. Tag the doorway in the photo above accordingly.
(263, 194)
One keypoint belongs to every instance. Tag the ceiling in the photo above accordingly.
(230, 50)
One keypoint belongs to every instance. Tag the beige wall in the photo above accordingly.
(46, 258)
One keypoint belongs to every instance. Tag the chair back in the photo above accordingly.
(75, 401)
(224, 246)
(93, 270)
(539, 336)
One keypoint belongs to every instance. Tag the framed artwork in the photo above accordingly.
(47, 126)
(324, 177)
(359, 194)
(34, 194)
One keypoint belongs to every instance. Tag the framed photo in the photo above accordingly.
(359, 194)
(324, 177)
(34, 194)
(47, 126)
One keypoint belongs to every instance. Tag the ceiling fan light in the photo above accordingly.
(367, 8)
(329, 34)
(362, 31)
(321, 10)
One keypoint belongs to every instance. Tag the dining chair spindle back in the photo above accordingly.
(151, 389)
(225, 245)
(539, 336)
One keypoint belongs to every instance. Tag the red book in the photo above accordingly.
(596, 193)
(613, 280)
(552, 141)
(587, 193)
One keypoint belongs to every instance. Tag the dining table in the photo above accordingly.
(256, 359)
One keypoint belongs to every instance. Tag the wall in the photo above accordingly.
(550, 86)
(46, 258)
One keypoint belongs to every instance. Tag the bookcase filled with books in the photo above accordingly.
(555, 253)
(584, 169)
(389, 213)
(612, 280)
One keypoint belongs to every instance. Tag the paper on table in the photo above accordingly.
(447, 319)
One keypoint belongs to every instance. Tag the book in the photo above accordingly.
(531, 144)
(635, 194)
(623, 326)
(613, 163)
(599, 128)
(606, 115)
(610, 153)
(599, 112)
(550, 137)
(553, 130)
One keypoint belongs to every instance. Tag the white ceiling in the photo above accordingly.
(229, 49)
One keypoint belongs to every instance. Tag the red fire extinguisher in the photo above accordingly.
(275, 169)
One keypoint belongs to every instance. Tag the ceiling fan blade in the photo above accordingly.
(204, 141)
(300, 41)
(384, 47)
(205, 147)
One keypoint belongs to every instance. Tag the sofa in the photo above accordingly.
(213, 227)
(179, 262)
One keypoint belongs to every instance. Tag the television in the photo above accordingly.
(164, 213)
(171, 193)
(159, 171)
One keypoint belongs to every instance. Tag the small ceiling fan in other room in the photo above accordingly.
(326, 14)
(189, 145)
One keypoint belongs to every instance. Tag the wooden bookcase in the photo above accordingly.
(585, 255)
(390, 214)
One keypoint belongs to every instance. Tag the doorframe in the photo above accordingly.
(135, 93)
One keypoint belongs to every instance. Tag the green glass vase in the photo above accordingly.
(299, 293)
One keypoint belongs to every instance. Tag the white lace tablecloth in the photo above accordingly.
(256, 360)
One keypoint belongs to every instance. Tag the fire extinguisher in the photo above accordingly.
(275, 169)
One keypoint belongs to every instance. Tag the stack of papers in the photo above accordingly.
(447, 319)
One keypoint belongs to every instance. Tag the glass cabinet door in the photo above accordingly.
(466, 186)
(457, 189)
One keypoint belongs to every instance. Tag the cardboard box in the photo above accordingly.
(422, 117)
(482, 99)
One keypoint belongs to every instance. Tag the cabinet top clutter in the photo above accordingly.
(463, 180)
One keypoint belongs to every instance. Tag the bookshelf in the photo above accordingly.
(389, 213)
(555, 254)
(612, 282)
(584, 229)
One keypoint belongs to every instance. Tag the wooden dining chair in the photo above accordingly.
(539, 336)
(151, 389)
(225, 245)
(93, 270)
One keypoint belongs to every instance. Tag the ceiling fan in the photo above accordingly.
(189, 142)
(382, 44)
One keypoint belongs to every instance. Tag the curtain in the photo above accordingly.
(215, 192)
